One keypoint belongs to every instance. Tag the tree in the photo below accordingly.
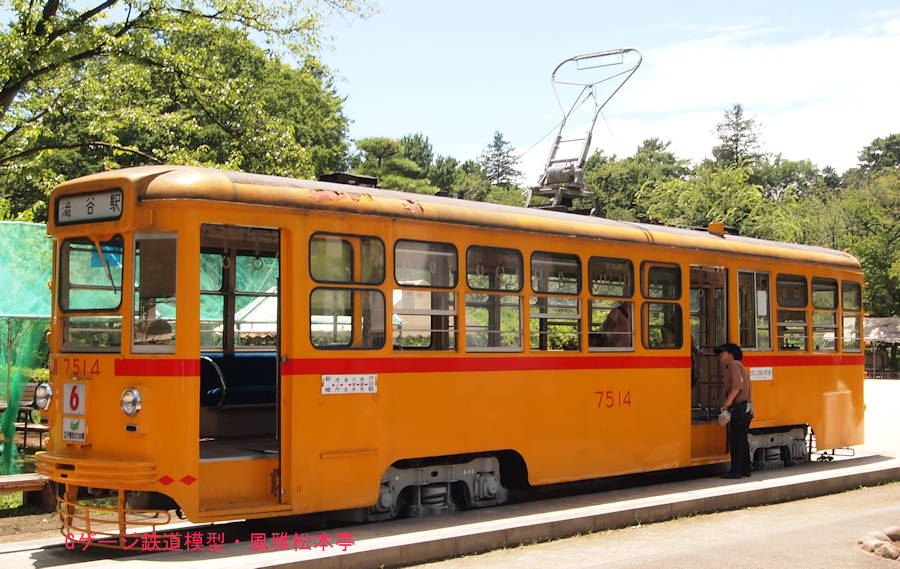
(94, 81)
(739, 141)
(470, 182)
(375, 151)
(714, 194)
(616, 183)
(384, 159)
(499, 163)
(417, 148)
(872, 210)
(780, 178)
(881, 153)
(442, 173)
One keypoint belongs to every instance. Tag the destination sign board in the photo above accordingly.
(85, 208)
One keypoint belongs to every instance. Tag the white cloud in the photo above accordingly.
(821, 98)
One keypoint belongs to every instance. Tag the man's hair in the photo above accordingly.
(732, 349)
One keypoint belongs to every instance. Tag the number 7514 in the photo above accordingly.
(611, 398)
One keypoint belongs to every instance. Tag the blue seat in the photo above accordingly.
(247, 379)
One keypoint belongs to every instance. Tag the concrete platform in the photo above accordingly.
(409, 542)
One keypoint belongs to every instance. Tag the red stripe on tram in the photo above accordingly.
(477, 364)
(803, 360)
(169, 367)
(172, 367)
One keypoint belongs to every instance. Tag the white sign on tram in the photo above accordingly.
(73, 398)
(73, 429)
(97, 206)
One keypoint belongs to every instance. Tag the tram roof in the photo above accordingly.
(186, 182)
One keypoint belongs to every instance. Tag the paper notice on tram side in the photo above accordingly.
(335, 384)
(762, 374)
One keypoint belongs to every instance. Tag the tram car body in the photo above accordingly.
(241, 346)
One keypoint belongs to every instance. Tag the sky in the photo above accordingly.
(820, 79)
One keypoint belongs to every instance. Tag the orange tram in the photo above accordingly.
(230, 345)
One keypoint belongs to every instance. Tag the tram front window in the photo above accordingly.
(90, 283)
(154, 293)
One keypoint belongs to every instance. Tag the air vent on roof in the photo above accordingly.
(351, 179)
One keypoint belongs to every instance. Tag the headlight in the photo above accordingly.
(131, 401)
(42, 395)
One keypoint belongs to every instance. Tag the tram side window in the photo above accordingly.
(255, 300)
(212, 299)
(347, 318)
(791, 292)
(754, 320)
(611, 317)
(493, 319)
(90, 279)
(662, 325)
(555, 319)
(824, 318)
(851, 316)
(661, 281)
(154, 293)
(424, 319)
(346, 259)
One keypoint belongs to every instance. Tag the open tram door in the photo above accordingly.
(240, 384)
(709, 328)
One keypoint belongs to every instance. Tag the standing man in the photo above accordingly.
(738, 402)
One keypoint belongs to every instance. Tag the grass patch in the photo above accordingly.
(11, 501)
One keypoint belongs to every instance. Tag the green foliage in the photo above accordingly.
(786, 179)
(881, 153)
(739, 141)
(442, 173)
(417, 148)
(398, 165)
(499, 163)
(717, 194)
(872, 210)
(616, 183)
(132, 82)
(470, 182)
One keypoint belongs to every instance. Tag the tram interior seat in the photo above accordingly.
(249, 379)
(245, 407)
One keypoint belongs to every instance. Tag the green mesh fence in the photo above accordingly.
(25, 269)
(24, 354)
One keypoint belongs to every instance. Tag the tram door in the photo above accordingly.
(709, 325)
(240, 331)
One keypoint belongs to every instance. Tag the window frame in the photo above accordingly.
(832, 310)
(858, 287)
(646, 266)
(856, 313)
(153, 348)
(756, 315)
(351, 290)
(471, 347)
(645, 324)
(517, 291)
(428, 286)
(630, 294)
(778, 285)
(68, 284)
(578, 274)
(452, 331)
(353, 277)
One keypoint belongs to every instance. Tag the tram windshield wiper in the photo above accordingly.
(105, 264)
